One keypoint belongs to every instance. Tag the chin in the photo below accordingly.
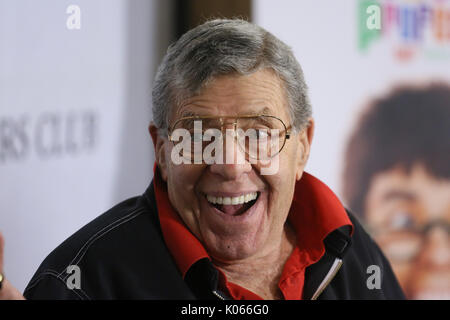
(233, 249)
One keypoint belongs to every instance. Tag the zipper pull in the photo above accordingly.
(219, 295)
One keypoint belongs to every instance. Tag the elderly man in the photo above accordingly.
(230, 213)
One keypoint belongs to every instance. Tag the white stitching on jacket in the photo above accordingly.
(101, 233)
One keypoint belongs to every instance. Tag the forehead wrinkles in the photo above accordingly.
(237, 94)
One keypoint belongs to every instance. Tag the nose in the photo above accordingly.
(235, 164)
(436, 249)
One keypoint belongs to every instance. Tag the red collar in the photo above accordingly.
(315, 212)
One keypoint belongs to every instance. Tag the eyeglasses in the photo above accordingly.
(260, 137)
(404, 244)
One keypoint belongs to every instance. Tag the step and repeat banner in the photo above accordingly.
(379, 75)
(75, 83)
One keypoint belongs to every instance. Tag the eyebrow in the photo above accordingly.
(264, 111)
(185, 114)
(399, 194)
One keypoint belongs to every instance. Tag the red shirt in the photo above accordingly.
(314, 213)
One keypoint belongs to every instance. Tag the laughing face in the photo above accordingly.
(233, 209)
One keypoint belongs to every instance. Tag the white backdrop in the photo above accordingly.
(74, 104)
(341, 75)
(74, 110)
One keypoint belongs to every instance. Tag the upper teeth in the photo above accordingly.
(233, 200)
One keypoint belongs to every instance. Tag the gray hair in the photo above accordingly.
(221, 47)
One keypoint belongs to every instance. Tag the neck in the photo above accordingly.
(261, 274)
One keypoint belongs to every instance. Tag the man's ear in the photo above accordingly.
(160, 150)
(305, 140)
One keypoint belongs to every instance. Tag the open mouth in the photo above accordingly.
(234, 206)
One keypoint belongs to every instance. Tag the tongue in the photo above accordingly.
(233, 209)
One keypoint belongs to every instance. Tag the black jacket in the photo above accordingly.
(122, 255)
